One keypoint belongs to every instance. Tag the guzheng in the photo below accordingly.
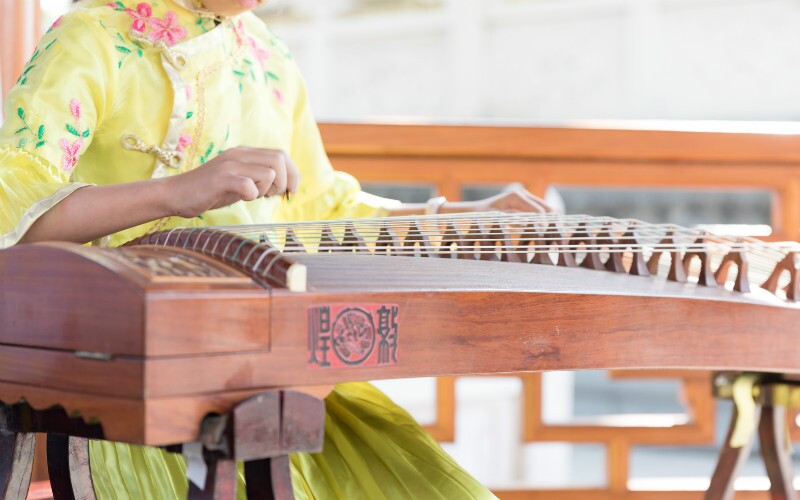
(199, 335)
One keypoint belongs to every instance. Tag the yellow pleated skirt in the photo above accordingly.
(373, 450)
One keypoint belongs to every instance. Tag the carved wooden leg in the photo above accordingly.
(729, 463)
(220, 482)
(16, 463)
(68, 466)
(776, 452)
(269, 479)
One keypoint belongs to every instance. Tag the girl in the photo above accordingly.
(133, 117)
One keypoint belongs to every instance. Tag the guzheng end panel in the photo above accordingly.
(143, 301)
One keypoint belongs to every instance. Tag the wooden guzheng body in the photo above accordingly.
(199, 335)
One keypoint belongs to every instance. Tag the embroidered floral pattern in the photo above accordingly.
(75, 111)
(23, 78)
(261, 54)
(184, 141)
(71, 151)
(124, 46)
(33, 135)
(140, 16)
(167, 29)
(36, 135)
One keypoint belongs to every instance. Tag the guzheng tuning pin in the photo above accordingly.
(292, 242)
(738, 258)
(354, 240)
(614, 261)
(417, 242)
(387, 241)
(706, 276)
(638, 266)
(788, 264)
(453, 238)
(583, 237)
(676, 271)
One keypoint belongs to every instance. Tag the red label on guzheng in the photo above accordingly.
(352, 335)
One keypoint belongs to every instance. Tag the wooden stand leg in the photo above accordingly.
(776, 452)
(220, 482)
(16, 463)
(729, 463)
(269, 479)
(68, 466)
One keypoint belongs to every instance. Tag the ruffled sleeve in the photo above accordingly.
(50, 119)
(324, 193)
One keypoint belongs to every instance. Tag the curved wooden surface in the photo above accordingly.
(456, 317)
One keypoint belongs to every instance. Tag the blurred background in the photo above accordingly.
(721, 66)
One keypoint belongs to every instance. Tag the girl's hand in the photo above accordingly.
(517, 200)
(239, 174)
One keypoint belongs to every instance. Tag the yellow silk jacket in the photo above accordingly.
(122, 91)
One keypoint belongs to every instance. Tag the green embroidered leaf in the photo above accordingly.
(72, 130)
(272, 75)
(28, 69)
(126, 50)
(119, 64)
(23, 142)
(139, 51)
(35, 55)
(241, 87)
(40, 132)
(209, 150)
(237, 72)
(119, 35)
(39, 144)
(247, 61)
(189, 115)
(252, 74)
(85, 133)
(21, 113)
(120, 4)
(23, 129)
(200, 217)
(23, 80)
(50, 44)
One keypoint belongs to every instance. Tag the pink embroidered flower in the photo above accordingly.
(57, 22)
(167, 29)
(70, 153)
(184, 141)
(259, 52)
(279, 96)
(140, 16)
(75, 108)
(238, 29)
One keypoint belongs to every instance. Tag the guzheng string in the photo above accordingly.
(482, 235)
(552, 233)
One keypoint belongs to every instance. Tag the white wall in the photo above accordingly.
(547, 60)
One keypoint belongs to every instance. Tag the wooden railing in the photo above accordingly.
(450, 157)
(617, 155)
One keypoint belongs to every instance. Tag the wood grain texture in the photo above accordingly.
(126, 305)
(16, 464)
(625, 141)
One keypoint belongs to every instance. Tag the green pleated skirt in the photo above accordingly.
(373, 450)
